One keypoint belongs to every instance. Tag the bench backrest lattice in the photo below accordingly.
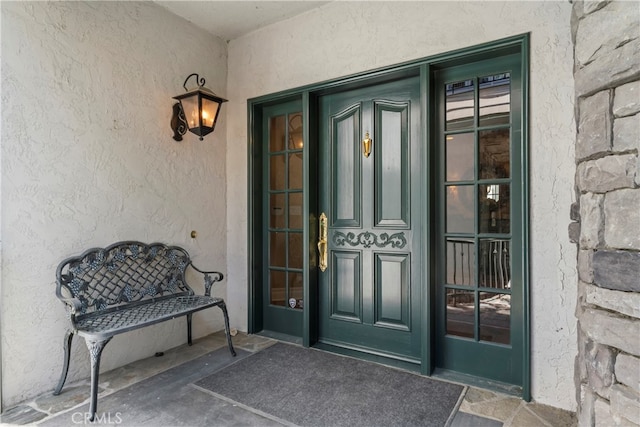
(104, 279)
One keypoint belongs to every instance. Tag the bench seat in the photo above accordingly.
(101, 325)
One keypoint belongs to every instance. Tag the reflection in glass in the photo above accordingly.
(277, 287)
(494, 208)
(295, 132)
(495, 99)
(494, 152)
(295, 250)
(295, 171)
(295, 289)
(461, 261)
(295, 210)
(460, 157)
(460, 313)
(460, 209)
(459, 105)
(277, 249)
(495, 317)
(277, 211)
(277, 172)
(494, 263)
(276, 133)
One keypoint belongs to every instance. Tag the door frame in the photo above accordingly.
(308, 95)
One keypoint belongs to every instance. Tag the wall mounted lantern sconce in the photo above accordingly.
(197, 110)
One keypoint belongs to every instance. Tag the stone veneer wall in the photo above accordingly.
(606, 39)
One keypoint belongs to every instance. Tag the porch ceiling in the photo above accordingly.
(231, 19)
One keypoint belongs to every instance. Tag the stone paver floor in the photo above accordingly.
(478, 408)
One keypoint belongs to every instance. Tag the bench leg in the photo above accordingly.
(223, 307)
(189, 317)
(68, 338)
(95, 351)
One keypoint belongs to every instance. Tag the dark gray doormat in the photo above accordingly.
(309, 387)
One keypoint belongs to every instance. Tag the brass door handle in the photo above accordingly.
(322, 242)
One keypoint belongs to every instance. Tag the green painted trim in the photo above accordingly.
(306, 212)
(427, 302)
(525, 61)
(371, 357)
(254, 115)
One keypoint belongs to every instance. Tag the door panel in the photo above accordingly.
(369, 294)
(392, 164)
(393, 291)
(347, 191)
(346, 284)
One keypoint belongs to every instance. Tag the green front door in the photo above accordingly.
(480, 297)
(369, 190)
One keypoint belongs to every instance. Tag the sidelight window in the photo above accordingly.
(477, 208)
(285, 222)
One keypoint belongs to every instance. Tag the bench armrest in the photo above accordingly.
(74, 304)
(210, 277)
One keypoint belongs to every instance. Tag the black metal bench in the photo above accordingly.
(127, 286)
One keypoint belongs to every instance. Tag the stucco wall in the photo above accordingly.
(342, 38)
(88, 159)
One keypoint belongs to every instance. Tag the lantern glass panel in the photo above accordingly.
(190, 107)
(209, 112)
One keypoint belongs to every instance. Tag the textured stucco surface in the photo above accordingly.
(348, 37)
(88, 159)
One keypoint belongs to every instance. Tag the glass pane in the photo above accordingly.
(190, 107)
(494, 208)
(460, 209)
(460, 157)
(295, 131)
(460, 316)
(495, 317)
(460, 105)
(277, 249)
(209, 112)
(495, 99)
(295, 210)
(461, 262)
(494, 263)
(295, 171)
(277, 171)
(276, 133)
(494, 152)
(295, 290)
(277, 210)
(277, 287)
(295, 250)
